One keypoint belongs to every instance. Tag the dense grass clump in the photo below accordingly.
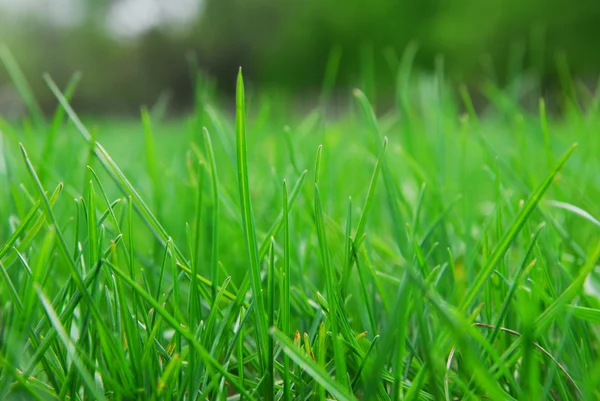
(419, 254)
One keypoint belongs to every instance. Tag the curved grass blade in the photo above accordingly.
(58, 117)
(248, 221)
(18, 78)
(575, 210)
(591, 315)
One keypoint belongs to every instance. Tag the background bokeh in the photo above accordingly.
(134, 52)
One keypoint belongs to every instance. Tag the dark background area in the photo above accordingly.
(285, 45)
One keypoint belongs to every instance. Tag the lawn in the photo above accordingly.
(424, 251)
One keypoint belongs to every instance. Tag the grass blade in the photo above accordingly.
(511, 234)
(248, 223)
(309, 366)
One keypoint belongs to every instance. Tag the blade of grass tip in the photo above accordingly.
(214, 258)
(368, 115)
(398, 204)
(248, 220)
(485, 144)
(92, 226)
(417, 213)
(339, 356)
(162, 274)
(575, 210)
(318, 164)
(364, 362)
(511, 234)
(25, 242)
(69, 346)
(20, 229)
(566, 81)
(468, 103)
(20, 82)
(176, 325)
(287, 134)
(546, 133)
(588, 314)
(195, 241)
(278, 224)
(38, 268)
(175, 303)
(150, 147)
(209, 335)
(362, 222)
(110, 205)
(14, 294)
(286, 308)
(403, 79)
(130, 255)
(228, 320)
(172, 369)
(59, 116)
(315, 371)
(331, 72)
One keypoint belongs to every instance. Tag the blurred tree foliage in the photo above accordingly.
(286, 44)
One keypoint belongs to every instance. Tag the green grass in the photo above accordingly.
(413, 253)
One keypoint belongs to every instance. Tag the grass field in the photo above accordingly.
(428, 253)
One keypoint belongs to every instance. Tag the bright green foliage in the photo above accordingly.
(219, 256)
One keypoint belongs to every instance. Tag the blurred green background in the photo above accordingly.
(134, 52)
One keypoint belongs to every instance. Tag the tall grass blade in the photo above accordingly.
(248, 223)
